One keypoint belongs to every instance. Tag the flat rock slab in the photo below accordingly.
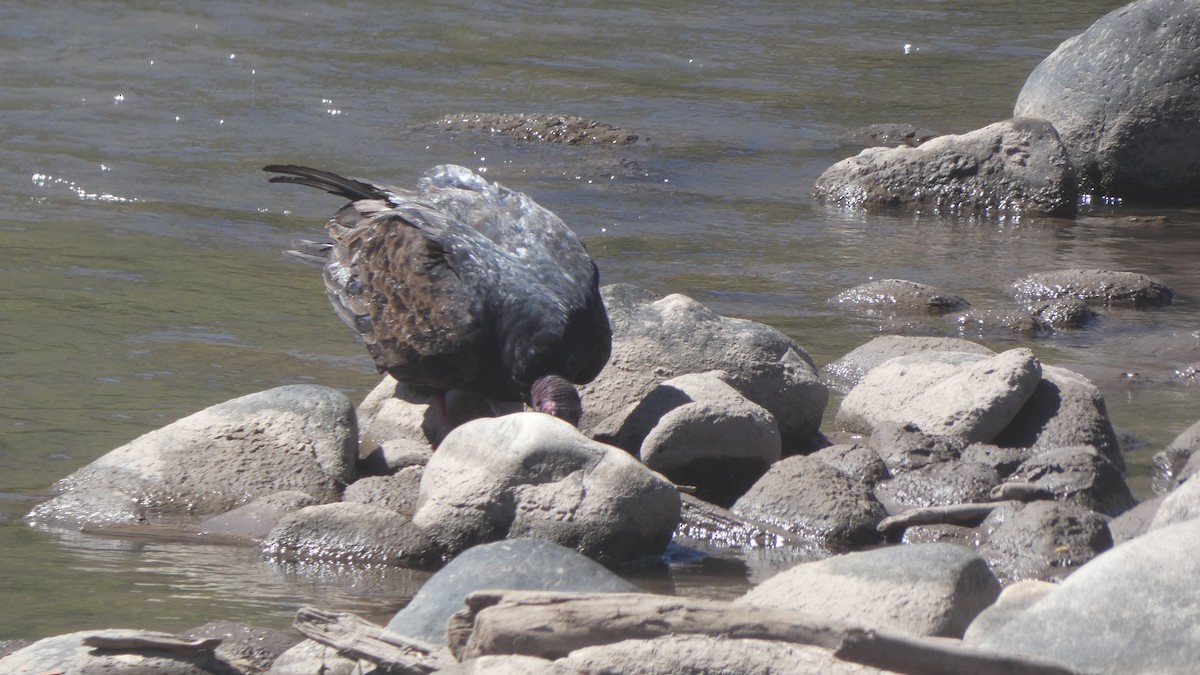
(1130, 610)
(953, 394)
(1015, 166)
(518, 564)
(1105, 287)
(68, 654)
(842, 375)
(924, 589)
(705, 654)
(349, 532)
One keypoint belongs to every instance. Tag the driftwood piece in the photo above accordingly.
(357, 638)
(126, 641)
(969, 515)
(552, 625)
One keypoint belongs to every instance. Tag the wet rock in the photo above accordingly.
(655, 340)
(309, 656)
(1148, 583)
(904, 447)
(1065, 409)
(807, 497)
(532, 475)
(1042, 540)
(255, 520)
(348, 532)
(856, 460)
(1077, 474)
(704, 654)
(1103, 287)
(251, 648)
(699, 431)
(893, 134)
(539, 128)
(1174, 464)
(1004, 461)
(1037, 318)
(1014, 599)
(959, 535)
(397, 492)
(68, 654)
(517, 564)
(928, 589)
(940, 484)
(298, 437)
(1014, 166)
(1123, 96)
(842, 375)
(898, 295)
(956, 394)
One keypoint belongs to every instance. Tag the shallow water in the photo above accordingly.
(141, 244)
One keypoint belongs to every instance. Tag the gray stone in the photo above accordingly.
(815, 501)
(1177, 506)
(966, 396)
(397, 492)
(532, 475)
(1042, 317)
(507, 664)
(1136, 521)
(842, 375)
(1003, 460)
(399, 420)
(1123, 96)
(515, 564)
(1103, 287)
(391, 456)
(1042, 540)
(1131, 610)
(699, 431)
(926, 589)
(655, 340)
(898, 295)
(858, 461)
(255, 520)
(1065, 409)
(348, 532)
(1015, 166)
(67, 654)
(941, 484)
(251, 648)
(696, 654)
(297, 437)
(904, 447)
(1078, 474)
(1014, 599)
(310, 657)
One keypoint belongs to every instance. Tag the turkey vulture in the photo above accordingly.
(462, 284)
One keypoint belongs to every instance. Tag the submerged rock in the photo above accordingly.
(1103, 287)
(1014, 166)
(900, 295)
(540, 127)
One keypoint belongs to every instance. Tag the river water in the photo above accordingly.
(141, 269)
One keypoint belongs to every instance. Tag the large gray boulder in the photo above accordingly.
(923, 589)
(699, 431)
(1042, 540)
(955, 394)
(656, 339)
(68, 654)
(1015, 166)
(807, 497)
(297, 437)
(1124, 97)
(1132, 609)
(532, 475)
(515, 564)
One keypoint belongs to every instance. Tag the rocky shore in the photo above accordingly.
(961, 510)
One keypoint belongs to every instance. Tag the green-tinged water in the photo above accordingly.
(140, 243)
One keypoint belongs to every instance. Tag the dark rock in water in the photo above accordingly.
(298, 437)
(462, 284)
(1036, 318)
(1130, 610)
(519, 564)
(656, 339)
(1123, 96)
(1014, 166)
(531, 475)
(1077, 474)
(1103, 287)
(893, 134)
(349, 532)
(255, 520)
(815, 501)
(1042, 540)
(898, 295)
(927, 589)
(537, 128)
(941, 484)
